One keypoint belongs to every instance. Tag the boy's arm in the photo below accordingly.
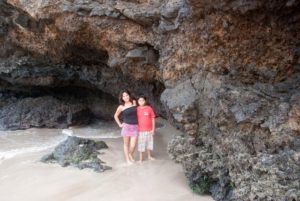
(153, 126)
(153, 120)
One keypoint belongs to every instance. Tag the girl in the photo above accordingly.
(146, 122)
(130, 125)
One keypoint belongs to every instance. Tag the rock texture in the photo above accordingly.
(225, 72)
(77, 152)
(42, 112)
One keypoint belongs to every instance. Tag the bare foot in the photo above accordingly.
(151, 158)
(129, 162)
(131, 158)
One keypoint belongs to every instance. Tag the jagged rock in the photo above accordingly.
(144, 53)
(78, 152)
(42, 112)
(139, 53)
(141, 13)
(226, 72)
(171, 8)
(105, 10)
(181, 101)
(238, 176)
(173, 13)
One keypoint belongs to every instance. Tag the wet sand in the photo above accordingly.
(24, 178)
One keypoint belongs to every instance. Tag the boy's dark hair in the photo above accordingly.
(144, 97)
(131, 98)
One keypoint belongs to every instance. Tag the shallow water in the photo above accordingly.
(24, 172)
(14, 143)
(98, 130)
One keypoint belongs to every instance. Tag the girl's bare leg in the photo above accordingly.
(126, 141)
(133, 141)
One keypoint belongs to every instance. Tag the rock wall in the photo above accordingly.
(240, 107)
(226, 72)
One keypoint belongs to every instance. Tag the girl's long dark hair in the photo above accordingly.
(131, 98)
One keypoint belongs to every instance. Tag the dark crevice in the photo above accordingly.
(82, 54)
(53, 106)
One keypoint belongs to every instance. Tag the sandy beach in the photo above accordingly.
(24, 178)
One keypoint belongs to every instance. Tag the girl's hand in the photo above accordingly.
(121, 125)
(152, 132)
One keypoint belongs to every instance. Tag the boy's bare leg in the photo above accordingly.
(141, 156)
(149, 155)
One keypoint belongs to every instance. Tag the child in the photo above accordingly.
(129, 125)
(146, 123)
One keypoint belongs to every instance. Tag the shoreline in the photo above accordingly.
(25, 178)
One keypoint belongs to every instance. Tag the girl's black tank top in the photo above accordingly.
(130, 115)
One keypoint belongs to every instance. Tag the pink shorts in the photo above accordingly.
(130, 130)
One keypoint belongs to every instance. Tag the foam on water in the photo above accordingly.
(98, 130)
(95, 134)
(15, 143)
(91, 133)
(4, 155)
(15, 152)
(68, 132)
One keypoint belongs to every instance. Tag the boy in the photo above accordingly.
(146, 125)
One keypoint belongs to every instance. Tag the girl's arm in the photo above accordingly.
(117, 114)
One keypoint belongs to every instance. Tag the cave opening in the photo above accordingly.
(80, 89)
(58, 107)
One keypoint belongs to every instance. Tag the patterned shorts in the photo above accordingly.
(130, 130)
(145, 141)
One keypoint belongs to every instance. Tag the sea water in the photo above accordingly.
(15, 143)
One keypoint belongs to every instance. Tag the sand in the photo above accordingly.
(24, 178)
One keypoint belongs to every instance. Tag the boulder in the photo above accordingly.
(78, 152)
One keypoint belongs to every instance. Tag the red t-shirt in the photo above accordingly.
(145, 115)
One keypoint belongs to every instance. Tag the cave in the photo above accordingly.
(225, 73)
(74, 91)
